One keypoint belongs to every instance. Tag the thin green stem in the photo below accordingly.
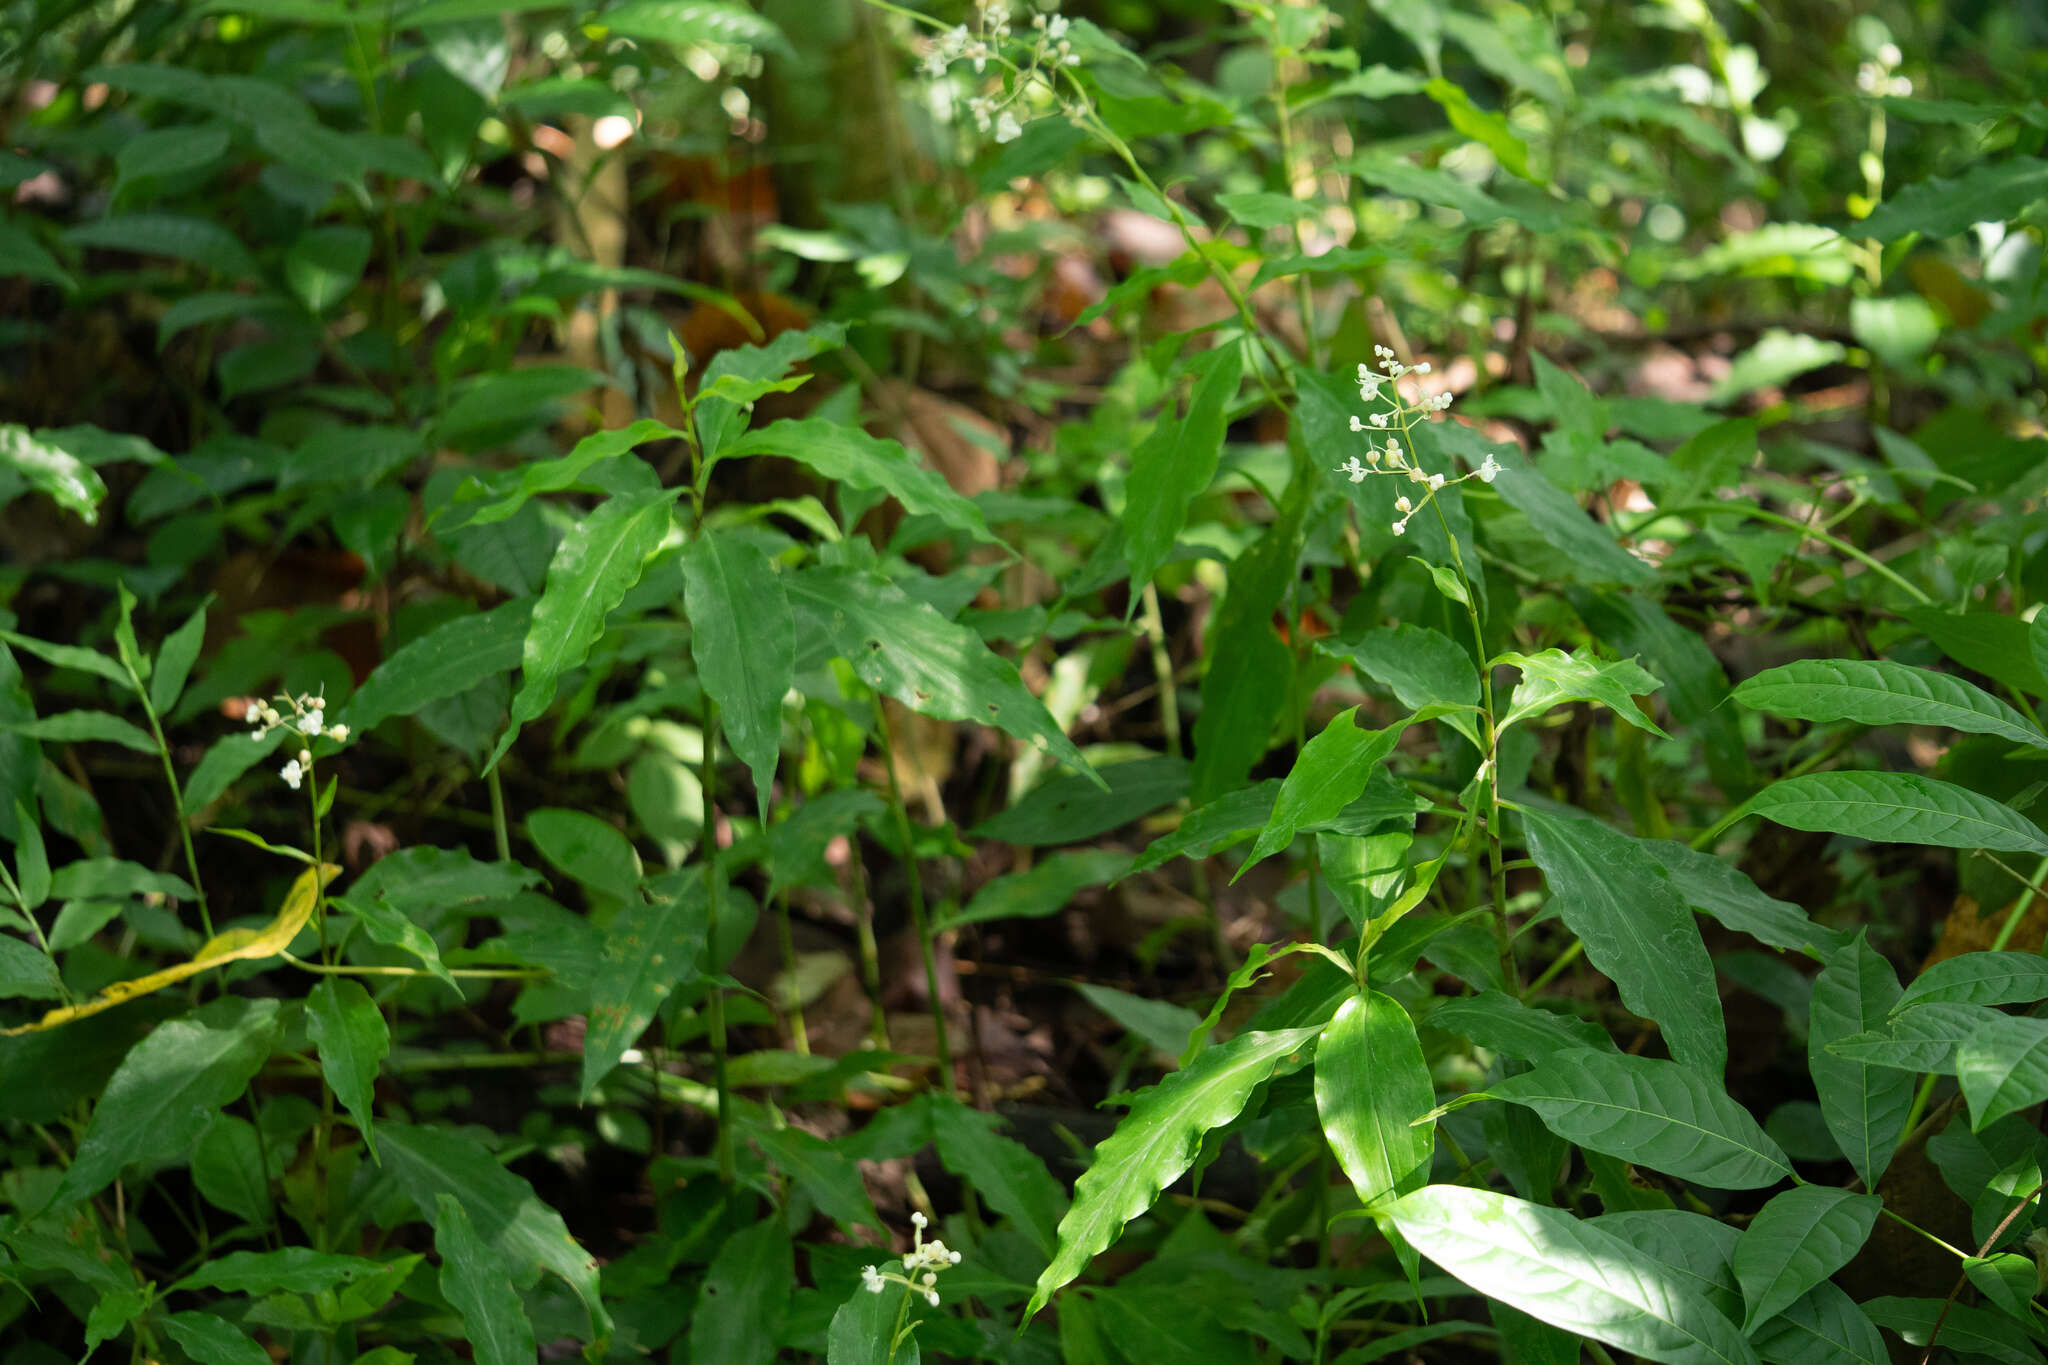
(499, 831)
(2020, 907)
(918, 921)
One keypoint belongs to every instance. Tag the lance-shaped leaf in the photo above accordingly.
(168, 1089)
(1073, 808)
(1713, 886)
(1824, 1327)
(1372, 1084)
(1176, 462)
(72, 727)
(1636, 931)
(745, 1296)
(1418, 664)
(1504, 1024)
(1980, 979)
(174, 662)
(1864, 1106)
(1697, 1248)
(1560, 520)
(474, 503)
(1013, 1180)
(1896, 808)
(594, 567)
(2002, 1067)
(448, 660)
(1328, 775)
(1921, 1039)
(1554, 677)
(1879, 692)
(720, 410)
(1156, 1142)
(345, 1024)
(1799, 1239)
(474, 1278)
(1223, 822)
(1972, 1333)
(744, 641)
(648, 949)
(902, 647)
(848, 455)
(1989, 192)
(1654, 1113)
(1561, 1270)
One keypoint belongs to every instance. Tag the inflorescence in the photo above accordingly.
(308, 720)
(1390, 458)
(920, 1268)
(1049, 50)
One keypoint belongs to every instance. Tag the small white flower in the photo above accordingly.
(919, 1221)
(1436, 481)
(1372, 457)
(1356, 425)
(1379, 419)
(871, 1276)
(293, 774)
(1489, 469)
(1402, 505)
(1368, 384)
(1423, 368)
(1352, 467)
(931, 1296)
(1007, 127)
(1056, 27)
(337, 732)
(1401, 527)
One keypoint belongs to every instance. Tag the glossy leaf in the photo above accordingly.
(507, 1215)
(1990, 978)
(391, 926)
(1897, 808)
(1698, 1250)
(847, 455)
(588, 848)
(593, 568)
(649, 948)
(745, 1294)
(168, 1088)
(1922, 1038)
(938, 667)
(47, 467)
(477, 503)
(27, 973)
(475, 1279)
(1880, 692)
(70, 656)
(1865, 1106)
(1803, 1236)
(447, 661)
(1653, 1113)
(744, 641)
(1223, 822)
(1636, 931)
(1177, 461)
(2002, 1067)
(1553, 678)
(1418, 664)
(288, 1270)
(1156, 1142)
(349, 1031)
(687, 22)
(1329, 774)
(720, 418)
(1372, 1084)
(1568, 1273)
(1971, 1332)
(1824, 1327)
(212, 1340)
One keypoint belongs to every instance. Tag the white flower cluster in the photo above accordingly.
(920, 1268)
(308, 720)
(1390, 458)
(1049, 49)
(1877, 78)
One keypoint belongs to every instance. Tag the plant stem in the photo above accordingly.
(916, 893)
(498, 830)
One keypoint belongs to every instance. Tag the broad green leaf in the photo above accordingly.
(391, 926)
(1488, 129)
(594, 567)
(1177, 461)
(174, 662)
(31, 857)
(323, 264)
(1228, 820)
(475, 1279)
(447, 661)
(744, 641)
(744, 1297)
(862, 1327)
(1506, 1025)
(588, 848)
(1568, 1273)
(1554, 677)
(1564, 524)
(1980, 979)
(1865, 1106)
(1044, 890)
(847, 455)
(649, 948)
(1653, 1113)
(1329, 774)
(168, 1089)
(1990, 191)
(1009, 1176)
(507, 1215)
(2003, 1066)
(1434, 185)
(229, 1171)
(1713, 886)
(1156, 1142)
(1070, 809)
(1162, 1024)
(1824, 1327)
(71, 727)
(1921, 1039)
(1973, 1333)
(932, 665)
(225, 760)
(1420, 665)
(70, 656)
(288, 1270)
(349, 1030)
(214, 1341)
(687, 22)
(829, 1176)
(1636, 931)
(1879, 692)
(116, 878)
(719, 418)
(547, 476)
(1992, 643)
(1372, 1084)
(48, 468)
(1803, 1236)
(196, 240)
(1696, 1248)
(22, 255)
(27, 973)
(1896, 808)
(2007, 1279)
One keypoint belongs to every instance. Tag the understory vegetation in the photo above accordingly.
(1165, 681)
